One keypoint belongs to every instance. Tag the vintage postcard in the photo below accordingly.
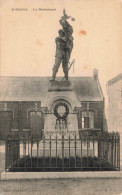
(60, 97)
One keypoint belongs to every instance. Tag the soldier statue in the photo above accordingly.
(64, 46)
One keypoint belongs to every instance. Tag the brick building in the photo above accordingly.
(30, 104)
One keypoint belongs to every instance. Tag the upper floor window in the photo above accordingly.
(87, 119)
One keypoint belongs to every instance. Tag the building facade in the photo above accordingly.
(34, 104)
(114, 90)
(56, 125)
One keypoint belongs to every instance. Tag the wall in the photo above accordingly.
(115, 106)
(98, 109)
(20, 111)
(115, 110)
(19, 115)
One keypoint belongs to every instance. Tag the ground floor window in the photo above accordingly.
(87, 119)
(35, 121)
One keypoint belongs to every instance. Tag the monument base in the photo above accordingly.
(50, 124)
(60, 86)
(61, 93)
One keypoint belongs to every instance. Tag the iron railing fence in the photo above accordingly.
(62, 152)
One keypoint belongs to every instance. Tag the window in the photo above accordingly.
(87, 119)
(86, 122)
(36, 122)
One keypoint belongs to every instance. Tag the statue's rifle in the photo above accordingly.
(72, 63)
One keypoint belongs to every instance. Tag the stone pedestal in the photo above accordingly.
(60, 86)
(61, 92)
(50, 123)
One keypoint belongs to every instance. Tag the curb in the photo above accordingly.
(59, 175)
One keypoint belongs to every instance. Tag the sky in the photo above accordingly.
(28, 37)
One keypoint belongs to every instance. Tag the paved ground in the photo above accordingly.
(59, 186)
(62, 187)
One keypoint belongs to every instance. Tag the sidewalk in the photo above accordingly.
(58, 175)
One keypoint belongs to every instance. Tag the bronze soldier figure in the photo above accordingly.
(60, 56)
(64, 46)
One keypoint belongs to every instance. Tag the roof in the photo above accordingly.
(36, 88)
(115, 79)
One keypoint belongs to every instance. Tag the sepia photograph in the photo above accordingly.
(60, 97)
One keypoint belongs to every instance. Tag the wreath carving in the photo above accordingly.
(56, 111)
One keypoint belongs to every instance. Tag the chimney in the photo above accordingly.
(95, 73)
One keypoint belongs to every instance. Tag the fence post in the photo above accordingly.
(11, 151)
(37, 150)
(118, 150)
(93, 145)
(56, 150)
(18, 149)
(87, 150)
(69, 150)
(62, 152)
(31, 149)
(50, 149)
(43, 152)
(115, 150)
(100, 149)
(28, 144)
(112, 150)
(24, 146)
(81, 154)
(107, 148)
(6, 153)
(75, 149)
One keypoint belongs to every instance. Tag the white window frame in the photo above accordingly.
(89, 114)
